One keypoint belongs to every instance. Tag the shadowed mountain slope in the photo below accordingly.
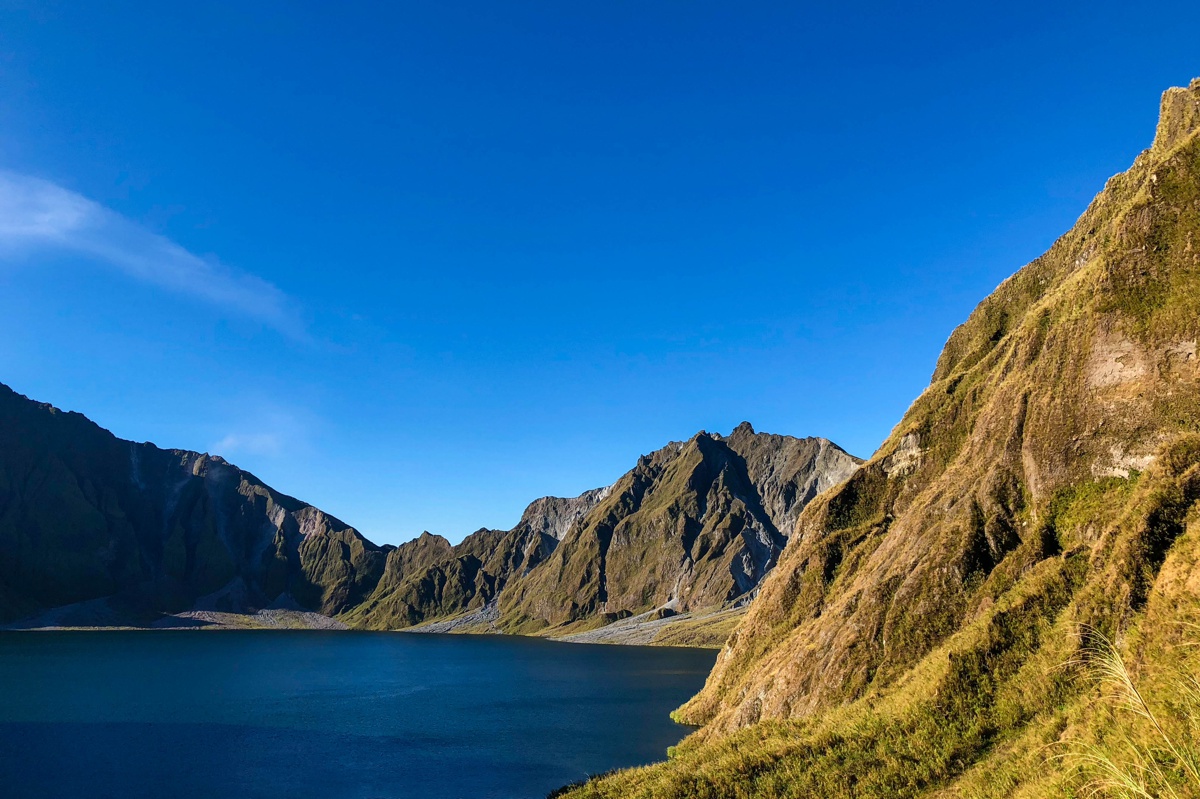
(467, 577)
(918, 635)
(85, 515)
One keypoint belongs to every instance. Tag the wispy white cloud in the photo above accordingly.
(259, 427)
(36, 214)
(267, 444)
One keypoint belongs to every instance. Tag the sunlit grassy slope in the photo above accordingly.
(928, 629)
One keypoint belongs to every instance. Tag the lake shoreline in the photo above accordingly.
(693, 630)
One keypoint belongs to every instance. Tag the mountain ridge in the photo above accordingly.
(541, 579)
(86, 516)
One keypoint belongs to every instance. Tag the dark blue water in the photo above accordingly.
(295, 714)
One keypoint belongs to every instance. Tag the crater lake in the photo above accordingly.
(326, 714)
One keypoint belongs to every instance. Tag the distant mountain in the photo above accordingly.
(935, 624)
(86, 516)
(427, 578)
(694, 525)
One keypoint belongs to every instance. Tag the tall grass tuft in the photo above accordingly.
(1152, 750)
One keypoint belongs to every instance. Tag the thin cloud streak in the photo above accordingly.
(37, 214)
(266, 444)
(261, 428)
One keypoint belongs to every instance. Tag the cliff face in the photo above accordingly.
(922, 632)
(84, 515)
(693, 525)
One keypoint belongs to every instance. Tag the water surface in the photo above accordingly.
(274, 714)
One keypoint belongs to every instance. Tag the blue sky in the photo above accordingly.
(419, 264)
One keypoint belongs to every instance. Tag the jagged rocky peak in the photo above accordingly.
(427, 538)
(1179, 116)
(419, 553)
(789, 472)
(696, 523)
(554, 516)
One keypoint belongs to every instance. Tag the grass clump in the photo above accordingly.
(1150, 750)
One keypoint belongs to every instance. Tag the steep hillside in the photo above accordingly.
(923, 632)
(85, 515)
(693, 525)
